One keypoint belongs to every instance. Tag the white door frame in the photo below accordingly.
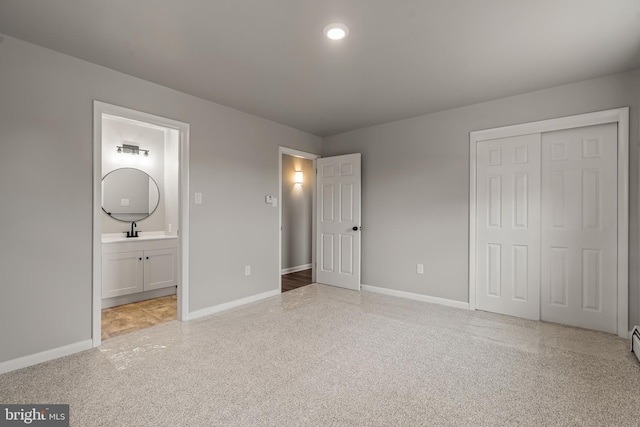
(100, 108)
(619, 116)
(313, 157)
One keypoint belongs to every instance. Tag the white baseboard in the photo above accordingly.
(417, 297)
(45, 356)
(295, 269)
(231, 304)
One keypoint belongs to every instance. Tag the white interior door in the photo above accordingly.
(579, 227)
(338, 221)
(508, 226)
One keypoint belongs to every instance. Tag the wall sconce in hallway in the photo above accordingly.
(298, 178)
(131, 149)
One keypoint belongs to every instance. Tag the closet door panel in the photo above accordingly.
(579, 227)
(508, 226)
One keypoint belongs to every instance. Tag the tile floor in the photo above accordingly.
(127, 318)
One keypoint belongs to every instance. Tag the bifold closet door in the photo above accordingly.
(579, 227)
(508, 226)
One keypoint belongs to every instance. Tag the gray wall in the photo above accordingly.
(297, 206)
(415, 190)
(415, 183)
(46, 178)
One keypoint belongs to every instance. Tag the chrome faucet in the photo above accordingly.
(132, 233)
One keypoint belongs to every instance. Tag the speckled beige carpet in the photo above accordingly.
(322, 356)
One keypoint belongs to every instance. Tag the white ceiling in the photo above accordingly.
(403, 58)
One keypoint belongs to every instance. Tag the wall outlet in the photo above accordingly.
(247, 270)
(420, 268)
(198, 198)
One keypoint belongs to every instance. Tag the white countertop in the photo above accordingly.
(142, 235)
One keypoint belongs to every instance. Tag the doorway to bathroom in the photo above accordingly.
(297, 219)
(140, 221)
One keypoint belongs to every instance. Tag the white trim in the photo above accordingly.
(295, 269)
(472, 221)
(623, 221)
(45, 356)
(619, 116)
(184, 197)
(417, 297)
(96, 262)
(550, 125)
(100, 109)
(232, 304)
(296, 153)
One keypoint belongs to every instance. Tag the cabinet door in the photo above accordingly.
(160, 268)
(122, 273)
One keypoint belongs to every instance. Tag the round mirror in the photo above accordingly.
(129, 194)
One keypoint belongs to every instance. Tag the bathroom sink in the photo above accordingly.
(149, 235)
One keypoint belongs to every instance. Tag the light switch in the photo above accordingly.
(420, 269)
(274, 202)
(268, 199)
(124, 202)
(198, 198)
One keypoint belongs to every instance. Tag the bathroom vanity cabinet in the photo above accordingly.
(137, 266)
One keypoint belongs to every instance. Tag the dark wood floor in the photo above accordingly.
(297, 280)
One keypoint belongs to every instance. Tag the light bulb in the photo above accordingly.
(336, 31)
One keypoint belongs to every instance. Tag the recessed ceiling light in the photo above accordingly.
(336, 31)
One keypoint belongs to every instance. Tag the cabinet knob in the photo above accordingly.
(139, 259)
(147, 257)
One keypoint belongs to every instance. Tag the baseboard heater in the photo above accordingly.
(635, 342)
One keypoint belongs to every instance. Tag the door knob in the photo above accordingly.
(355, 228)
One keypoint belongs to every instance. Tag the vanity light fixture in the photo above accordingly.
(131, 149)
(336, 31)
(298, 178)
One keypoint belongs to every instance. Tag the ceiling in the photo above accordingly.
(403, 58)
